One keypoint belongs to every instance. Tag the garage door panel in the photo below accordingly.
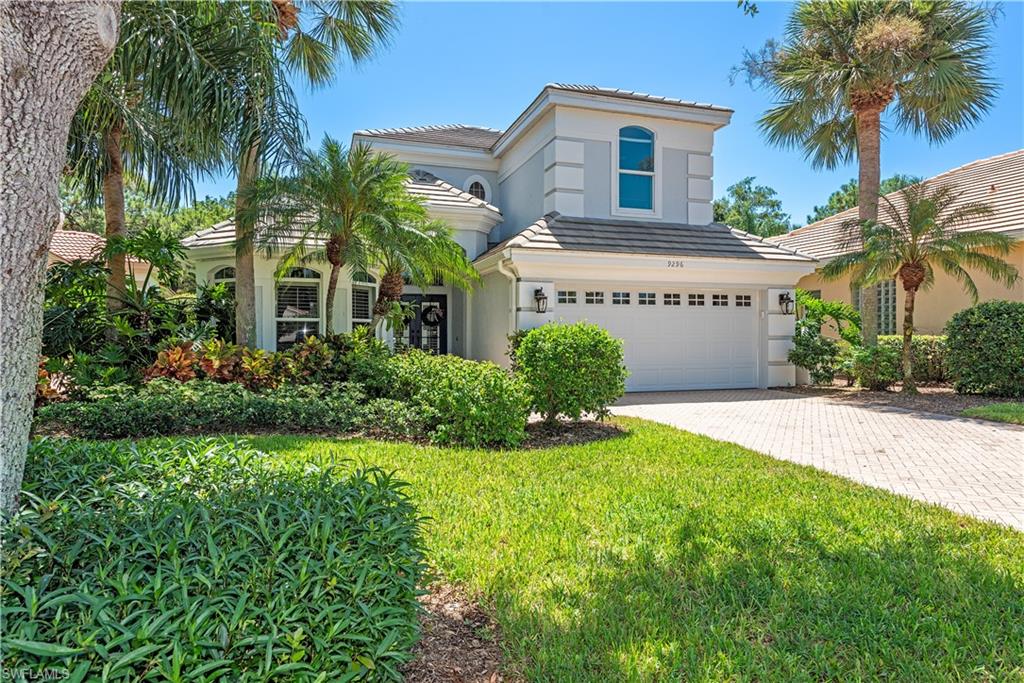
(677, 347)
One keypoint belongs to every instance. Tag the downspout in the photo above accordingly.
(513, 280)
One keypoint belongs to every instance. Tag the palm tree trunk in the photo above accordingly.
(869, 142)
(908, 341)
(113, 214)
(245, 235)
(332, 287)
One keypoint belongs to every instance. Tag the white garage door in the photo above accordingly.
(673, 338)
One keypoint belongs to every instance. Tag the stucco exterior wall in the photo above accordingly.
(523, 195)
(490, 319)
(933, 307)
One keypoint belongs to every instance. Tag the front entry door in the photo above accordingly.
(428, 329)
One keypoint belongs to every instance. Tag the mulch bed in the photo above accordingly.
(934, 398)
(459, 642)
(569, 433)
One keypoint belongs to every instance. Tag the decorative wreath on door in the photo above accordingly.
(432, 316)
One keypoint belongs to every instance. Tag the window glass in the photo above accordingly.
(620, 298)
(636, 168)
(297, 307)
(476, 189)
(695, 299)
(886, 305)
(566, 297)
(225, 273)
(719, 299)
(646, 298)
(636, 191)
(594, 297)
(672, 299)
(743, 300)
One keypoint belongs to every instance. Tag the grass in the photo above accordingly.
(1000, 412)
(662, 555)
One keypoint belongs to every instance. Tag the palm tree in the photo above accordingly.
(844, 62)
(156, 116)
(922, 229)
(330, 209)
(411, 246)
(306, 40)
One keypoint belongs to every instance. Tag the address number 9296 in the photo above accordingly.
(674, 264)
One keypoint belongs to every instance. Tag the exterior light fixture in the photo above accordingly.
(786, 303)
(540, 300)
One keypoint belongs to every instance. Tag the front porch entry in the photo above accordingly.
(428, 329)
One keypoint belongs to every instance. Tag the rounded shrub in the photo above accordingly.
(462, 402)
(985, 349)
(928, 354)
(876, 367)
(571, 369)
(190, 559)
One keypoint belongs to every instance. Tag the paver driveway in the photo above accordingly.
(970, 466)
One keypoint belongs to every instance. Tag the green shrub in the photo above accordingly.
(362, 358)
(571, 369)
(387, 417)
(928, 355)
(876, 367)
(814, 352)
(985, 349)
(463, 401)
(190, 560)
(165, 406)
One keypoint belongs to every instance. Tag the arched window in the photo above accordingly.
(297, 311)
(364, 293)
(224, 276)
(636, 168)
(476, 188)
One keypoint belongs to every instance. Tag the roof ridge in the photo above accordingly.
(599, 89)
(424, 129)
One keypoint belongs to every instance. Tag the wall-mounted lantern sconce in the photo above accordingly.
(540, 300)
(786, 303)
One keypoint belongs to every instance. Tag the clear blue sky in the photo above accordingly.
(482, 64)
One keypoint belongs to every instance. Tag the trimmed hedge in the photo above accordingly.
(189, 559)
(571, 369)
(928, 354)
(985, 349)
(166, 407)
(463, 401)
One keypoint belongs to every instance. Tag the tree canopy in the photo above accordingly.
(752, 208)
(846, 196)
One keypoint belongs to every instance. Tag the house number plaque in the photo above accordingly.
(675, 264)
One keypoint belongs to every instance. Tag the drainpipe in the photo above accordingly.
(513, 280)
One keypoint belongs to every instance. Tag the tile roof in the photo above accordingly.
(997, 181)
(557, 232)
(75, 245)
(454, 135)
(631, 95)
(436, 192)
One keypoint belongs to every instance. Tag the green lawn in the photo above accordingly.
(1000, 412)
(665, 556)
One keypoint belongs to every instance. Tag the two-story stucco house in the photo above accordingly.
(594, 204)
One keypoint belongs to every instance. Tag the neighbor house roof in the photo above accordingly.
(449, 135)
(74, 245)
(557, 232)
(436, 192)
(996, 181)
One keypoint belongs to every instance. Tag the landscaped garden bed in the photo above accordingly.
(930, 398)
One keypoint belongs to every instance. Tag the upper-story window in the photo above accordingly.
(477, 189)
(636, 168)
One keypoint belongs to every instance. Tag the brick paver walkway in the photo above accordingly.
(970, 466)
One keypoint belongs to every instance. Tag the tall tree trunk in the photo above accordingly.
(245, 236)
(909, 386)
(50, 52)
(113, 214)
(332, 287)
(869, 141)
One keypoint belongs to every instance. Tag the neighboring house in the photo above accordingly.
(594, 204)
(997, 181)
(69, 246)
